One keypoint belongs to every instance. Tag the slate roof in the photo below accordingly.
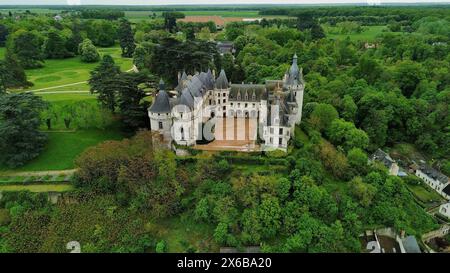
(433, 173)
(295, 74)
(186, 98)
(222, 81)
(161, 104)
(247, 92)
(410, 245)
(380, 155)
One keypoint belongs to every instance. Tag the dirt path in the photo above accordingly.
(59, 86)
(62, 92)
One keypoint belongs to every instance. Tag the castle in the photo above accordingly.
(275, 107)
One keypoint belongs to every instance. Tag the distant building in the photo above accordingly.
(435, 179)
(58, 18)
(387, 240)
(387, 161)
(225, 47)
(444, 210)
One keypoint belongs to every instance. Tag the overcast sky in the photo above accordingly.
(191, 2)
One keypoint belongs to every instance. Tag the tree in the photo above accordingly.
(357, 160)
(102, 82)
(126, 38)
(269, 215)
(133, 109)
(55, 47)
(345, 133)
(317, 32)
(349, 108)
(408, 75)
(170, 20)
(322, 116)
(26, 46)
(20, 138)
(3, 34)
(12, 73)
(102, 33)
(88, 52)
(74, 40)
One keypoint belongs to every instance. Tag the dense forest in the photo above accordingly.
(318, 197)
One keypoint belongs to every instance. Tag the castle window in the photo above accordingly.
(224, 101)
(271, 130)
(281, 131)
(231, 104)
(224, 94)
(254, 104)
(160, 125)
(224, 108)
(210, 102)
(246, 104)
(271, 140)
(239, 105)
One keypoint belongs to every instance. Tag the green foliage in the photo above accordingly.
(161, 247)
(322, 116)
(88, 52)
(55, 46)
(126, 39)
(102, 82)
(26, 46)
(345, 133)
(20, 138)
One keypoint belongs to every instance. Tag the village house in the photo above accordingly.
(435, 179)
(380, 156)
(444, 210)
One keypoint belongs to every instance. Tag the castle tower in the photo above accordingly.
(294, 83)
(159, 112)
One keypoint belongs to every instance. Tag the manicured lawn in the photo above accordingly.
(71, 70)
(67, 97)
(424, 194)
(180, 232)
(368, 34)
(64, 147)
(37, 188)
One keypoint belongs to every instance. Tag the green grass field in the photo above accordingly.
(424, 194)
(368, 34)
(64, 147)
(180, 232)
(71, 70)
(37, 188)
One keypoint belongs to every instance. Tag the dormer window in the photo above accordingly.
(239, 96)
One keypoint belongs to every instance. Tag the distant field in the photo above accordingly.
(64, 147)
(142, 15)
(368, 34)
(32, 10)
